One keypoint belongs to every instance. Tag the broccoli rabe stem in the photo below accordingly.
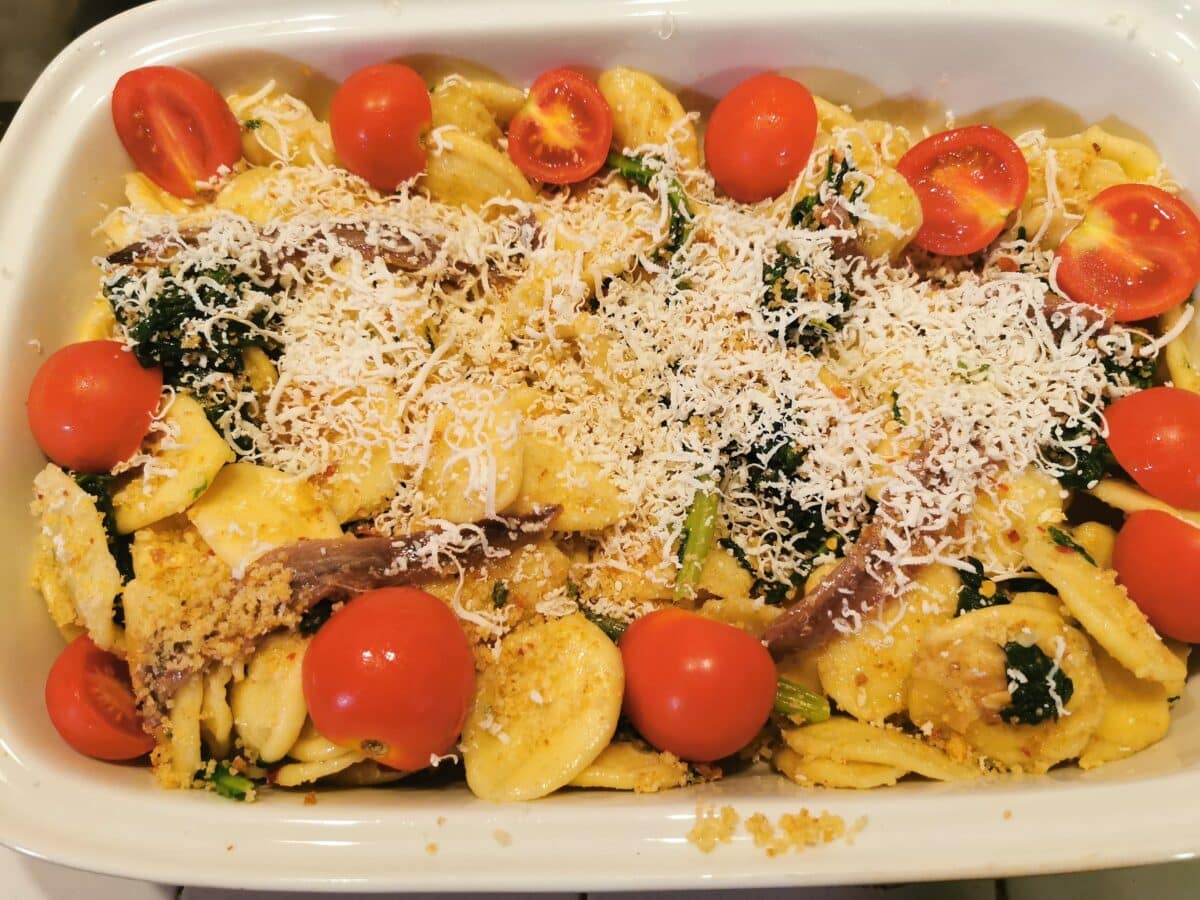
(699, 530)
(799, 703)
(230, 784)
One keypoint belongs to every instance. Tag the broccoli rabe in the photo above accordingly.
(641, 172)
(977, 590)
(1080, 467)
(696, 540)
(1034, 683)
(780, 292)
(188, 330)
(770, 470)
(230, 784)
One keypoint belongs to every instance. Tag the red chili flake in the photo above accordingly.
(1014, 536)
(1007, 264)
(1065, 549)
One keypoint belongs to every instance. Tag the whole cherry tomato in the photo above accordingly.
(90, 405)
(391, 674)
(695, 687)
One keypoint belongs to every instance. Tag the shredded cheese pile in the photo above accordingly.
(667, 371)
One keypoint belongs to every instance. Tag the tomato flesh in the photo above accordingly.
(1154, 435)
(90, 701)
(379, 118)
(391, 674)
(1136, 252)
(968, 180)
(760, 136)
(694, 687)
(176, 127)
(1157, 558)
(90, 405)
(562, 133)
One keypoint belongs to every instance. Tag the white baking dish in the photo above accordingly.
(61, 160)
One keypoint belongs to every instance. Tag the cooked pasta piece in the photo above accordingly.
(184, 461)
(1128, 498)
(1182, 353)
(962, 684)
(251, 509)
(626, 766)
(1104, 609)
(465, 171)
(834, 774)
(644, 112)
(216, 716)
(544, 711)
(1136, 714)
(268, 702)
(866, 671)
(279, 127)
(73, 567)
(845, 740)
(454, 103)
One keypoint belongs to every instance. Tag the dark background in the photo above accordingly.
(31, 34)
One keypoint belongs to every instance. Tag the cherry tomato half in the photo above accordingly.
(1136, 252)
(969, 180)
(562, 133)
(1154, 435)
(90, 405)
(1157, 558)
(694, 687)
(379, 118)
(391, 674)
(175, 126)
(760, 136)
(90, 701)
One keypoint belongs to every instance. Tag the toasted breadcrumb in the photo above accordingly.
(713, 826)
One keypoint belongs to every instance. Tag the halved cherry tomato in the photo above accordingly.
(1136, 252)
(760, 136)
(561, 134)
(391, 674)
(90, 701)
(1154, 435)
(175, 126)
(969, 180)
(694, 687)
(1157, 558)
(90, 405)
(379, 118)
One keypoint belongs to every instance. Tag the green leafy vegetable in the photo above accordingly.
(187, 328)
(897, 412)
(977, 590)
(614, 628)
(316, 616)
(1034, 680)
(780, 292)
(1062, 539)
(499, 594)
(642, 172)
(252, 124)
(802, 212)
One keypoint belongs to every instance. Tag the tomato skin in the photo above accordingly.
(969, 180)
(391, 673)
(90, 701)
(378, 119)
(562, 133)
(1154, 435)
(760, 136)
(175, 126)
(1157, 558)
(1136, 252)
(90, 405)
(695, 687)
